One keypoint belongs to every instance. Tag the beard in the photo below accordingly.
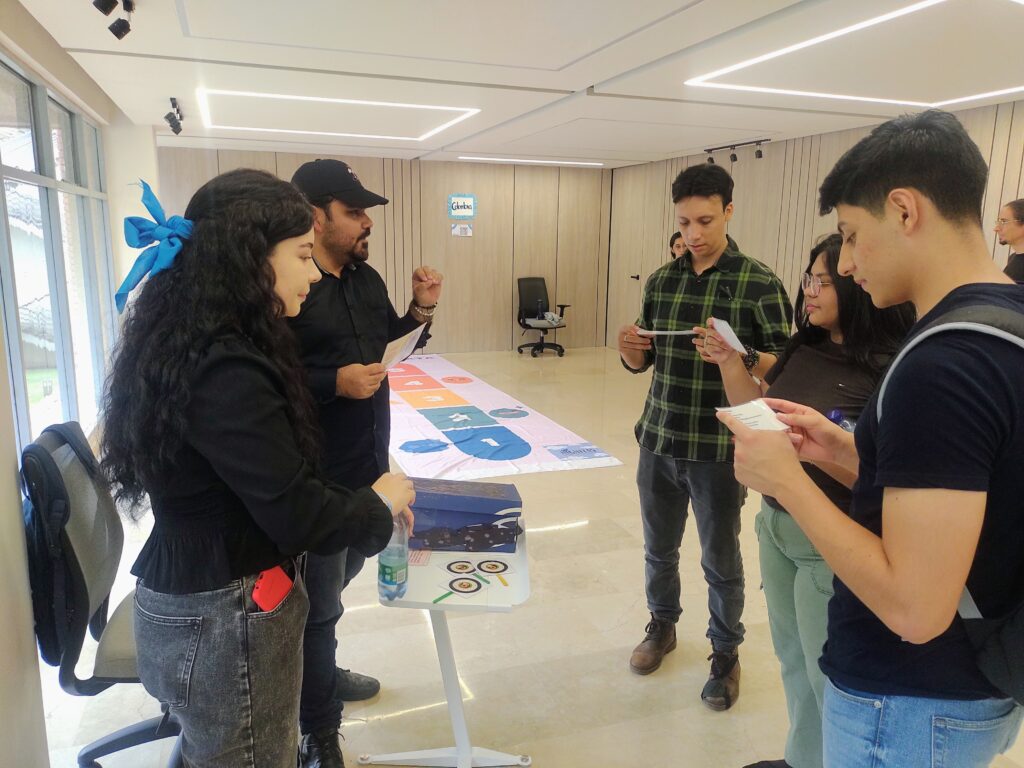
(360, 250)
(1002, 241)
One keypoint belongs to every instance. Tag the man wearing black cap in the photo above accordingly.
(343, 329)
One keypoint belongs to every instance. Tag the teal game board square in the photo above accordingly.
(457, 417)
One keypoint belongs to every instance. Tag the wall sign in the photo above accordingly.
(461, 206)
(462, 230)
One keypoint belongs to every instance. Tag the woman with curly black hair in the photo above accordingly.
(207, 413)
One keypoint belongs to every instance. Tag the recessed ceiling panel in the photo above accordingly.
(945, 51)
(533, 34)
(626, 136)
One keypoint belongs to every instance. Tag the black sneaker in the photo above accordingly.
(723, 685)
(355, 687)
(769, 764)
(321, 749)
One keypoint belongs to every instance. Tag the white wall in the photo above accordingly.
(130, 152)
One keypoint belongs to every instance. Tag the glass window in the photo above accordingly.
(35, 309)
(91, 140)
(16, 148)
(63, 144)
(108, 321)
(80, 297)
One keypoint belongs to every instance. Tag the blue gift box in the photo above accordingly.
(456, 516)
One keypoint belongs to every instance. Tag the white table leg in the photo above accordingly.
(462, 755)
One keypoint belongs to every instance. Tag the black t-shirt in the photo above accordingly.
(953, 418)
(820, 376)
(1015, 267)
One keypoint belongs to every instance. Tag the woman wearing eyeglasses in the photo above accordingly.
(833, 363)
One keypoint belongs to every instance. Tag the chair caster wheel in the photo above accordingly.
(533, 353)
(525, 760)
(519, 351)
(363, 760)
(561, 353)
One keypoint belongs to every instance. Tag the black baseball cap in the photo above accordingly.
(318, 179)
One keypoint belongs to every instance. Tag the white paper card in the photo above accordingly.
(726, 332)
(399, 349)
(756, 415)
(643, 332)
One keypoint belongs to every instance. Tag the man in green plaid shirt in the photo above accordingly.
(685, 453)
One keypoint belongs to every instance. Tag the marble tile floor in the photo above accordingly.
(550, 679)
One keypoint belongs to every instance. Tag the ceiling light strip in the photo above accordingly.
(816, 40)
(529, 162)
(816, 94)
(202, 96)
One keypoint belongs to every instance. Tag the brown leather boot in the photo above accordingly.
(661, 638)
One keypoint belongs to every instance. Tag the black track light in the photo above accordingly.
(120, 28)
(711, 160)
(106, 7)
(732, 156)
(758, 154)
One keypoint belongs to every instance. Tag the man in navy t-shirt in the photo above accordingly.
(939, 498)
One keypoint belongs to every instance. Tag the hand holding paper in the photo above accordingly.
(401, 348)
(765, 458)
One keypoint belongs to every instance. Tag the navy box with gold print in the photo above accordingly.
(456, 516)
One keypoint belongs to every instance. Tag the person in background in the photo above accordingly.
(206, 411)
(1010, 230)
(832, 364)
(676, 245)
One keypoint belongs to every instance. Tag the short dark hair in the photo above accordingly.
(930, 152)
(703, 181)
(1017, 206)
(672, 240)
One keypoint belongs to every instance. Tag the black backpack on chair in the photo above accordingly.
(60, 465)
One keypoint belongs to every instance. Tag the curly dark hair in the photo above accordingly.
(871, 336)
(221, 283)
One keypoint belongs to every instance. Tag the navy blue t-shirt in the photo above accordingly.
(953, 418)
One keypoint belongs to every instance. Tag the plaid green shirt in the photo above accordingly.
(679, 416)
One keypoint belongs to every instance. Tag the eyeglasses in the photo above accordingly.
(812, 284)
(1004, 222)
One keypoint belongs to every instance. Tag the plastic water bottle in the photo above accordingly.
(393, 563)
(836, 417)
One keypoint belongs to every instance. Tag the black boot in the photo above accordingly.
(321, 749)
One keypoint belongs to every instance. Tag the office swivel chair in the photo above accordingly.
(534, 315)
(74, 545)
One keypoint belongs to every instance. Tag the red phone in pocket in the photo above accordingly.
(271, 587)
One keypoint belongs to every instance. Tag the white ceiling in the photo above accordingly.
(602, 81)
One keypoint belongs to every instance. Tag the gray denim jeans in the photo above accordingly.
(229, 672)
(667, 487)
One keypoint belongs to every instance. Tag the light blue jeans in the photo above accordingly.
(862, 730)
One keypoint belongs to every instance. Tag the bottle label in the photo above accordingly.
(392, 575)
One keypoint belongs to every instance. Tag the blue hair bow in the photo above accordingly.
(168, 235)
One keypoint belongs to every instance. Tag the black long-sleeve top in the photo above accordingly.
(239, 497)
(343, 321)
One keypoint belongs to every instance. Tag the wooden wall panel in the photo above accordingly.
(628, 196)
(780, 193)
(478, 269)
(534, 238)
(602, 262)
(230, 159)
(182, 172)
(579, 256)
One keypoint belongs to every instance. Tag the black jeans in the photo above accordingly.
(667, 487)
(326, 578)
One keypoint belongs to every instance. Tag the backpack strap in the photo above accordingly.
(1003, 323)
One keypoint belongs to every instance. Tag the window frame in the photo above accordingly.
(96, 256)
